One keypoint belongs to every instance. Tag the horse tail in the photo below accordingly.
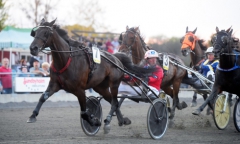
(132, 68)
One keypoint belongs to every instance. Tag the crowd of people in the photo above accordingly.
(110, 45)
(35, 68)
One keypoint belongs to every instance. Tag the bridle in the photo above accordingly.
(49, 34)
(130, 46)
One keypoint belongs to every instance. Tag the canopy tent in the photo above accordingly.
(15, 42)
(11, 37)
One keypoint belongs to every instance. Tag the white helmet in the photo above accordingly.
(150, 54)
(209, 50)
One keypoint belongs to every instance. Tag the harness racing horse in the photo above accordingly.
(134, 46)
(73, 70)
(227, 75)
(191, 44)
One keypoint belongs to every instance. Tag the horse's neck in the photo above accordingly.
(60, 57)
(138, 53)
(198, 54)
(227, 61)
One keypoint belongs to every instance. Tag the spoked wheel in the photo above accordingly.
(221, 117)
(236, 115)
(94, 107)
(157, 119)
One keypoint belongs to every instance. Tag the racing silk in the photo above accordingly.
(207, 66)
(155, 80)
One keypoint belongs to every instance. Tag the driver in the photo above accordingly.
(154, 81)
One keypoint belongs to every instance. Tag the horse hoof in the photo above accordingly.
(193, 104)
(126, 121)
(106, 128)
(196, 112)
(184, 105)
(31, 120)
(96, 122)
(171, 116)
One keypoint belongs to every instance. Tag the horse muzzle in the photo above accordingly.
(34, 50)
(185, 52)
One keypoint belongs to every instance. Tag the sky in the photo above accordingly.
(154, 17)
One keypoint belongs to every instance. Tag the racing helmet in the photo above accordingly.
(150, 54)
(209, 50)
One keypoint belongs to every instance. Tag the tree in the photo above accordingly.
(3, 15)
(90, 14)
(35, 10)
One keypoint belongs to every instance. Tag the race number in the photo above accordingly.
(96, 54)
(165, 62)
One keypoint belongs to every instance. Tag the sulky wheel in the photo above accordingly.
(221, 117)
(157, 119)
(236, 115)
(95, 108)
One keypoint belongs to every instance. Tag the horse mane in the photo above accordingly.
(202, 46)
(141, 38)
(63, 34)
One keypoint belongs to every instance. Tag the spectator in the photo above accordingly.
(45, 67)
(23, 62)
(32, 59)
(6, 77)
(24, 72)
(115, 44)
(36, 68)
(109, 46)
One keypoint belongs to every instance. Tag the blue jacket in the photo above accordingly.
(208, 66)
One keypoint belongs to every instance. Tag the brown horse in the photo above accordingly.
(74, 71)
(133, 45)
(193, 45)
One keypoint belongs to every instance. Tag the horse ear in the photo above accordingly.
(137, 28)
(51, 23)
(187, 29)
(42, 21)
(230, 33)
(228, 29)
(127, 28)
(194, 31)
(217, 30)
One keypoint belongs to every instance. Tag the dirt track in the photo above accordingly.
(60, 123)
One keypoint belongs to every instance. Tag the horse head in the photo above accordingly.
(132, 44)
(42, 36)
(188, 42)
(222, 41)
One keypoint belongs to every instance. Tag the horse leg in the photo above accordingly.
(85, 114)
(194, 100)
(208, 101)
(168, 91)
(52, 88)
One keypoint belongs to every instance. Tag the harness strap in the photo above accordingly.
(62, 70)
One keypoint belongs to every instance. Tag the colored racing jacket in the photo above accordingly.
(155, 80)
(207, 66)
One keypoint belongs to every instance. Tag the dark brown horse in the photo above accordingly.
(133, 45)
(74, 71)
(227, 75)
(194, 46)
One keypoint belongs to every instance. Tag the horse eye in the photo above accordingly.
(181, 40)
(190, 38)
(224, 39)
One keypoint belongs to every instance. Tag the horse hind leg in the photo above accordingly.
(194, 100)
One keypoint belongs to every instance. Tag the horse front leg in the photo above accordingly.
(208, 101)
(86, 114)
(52, 88)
